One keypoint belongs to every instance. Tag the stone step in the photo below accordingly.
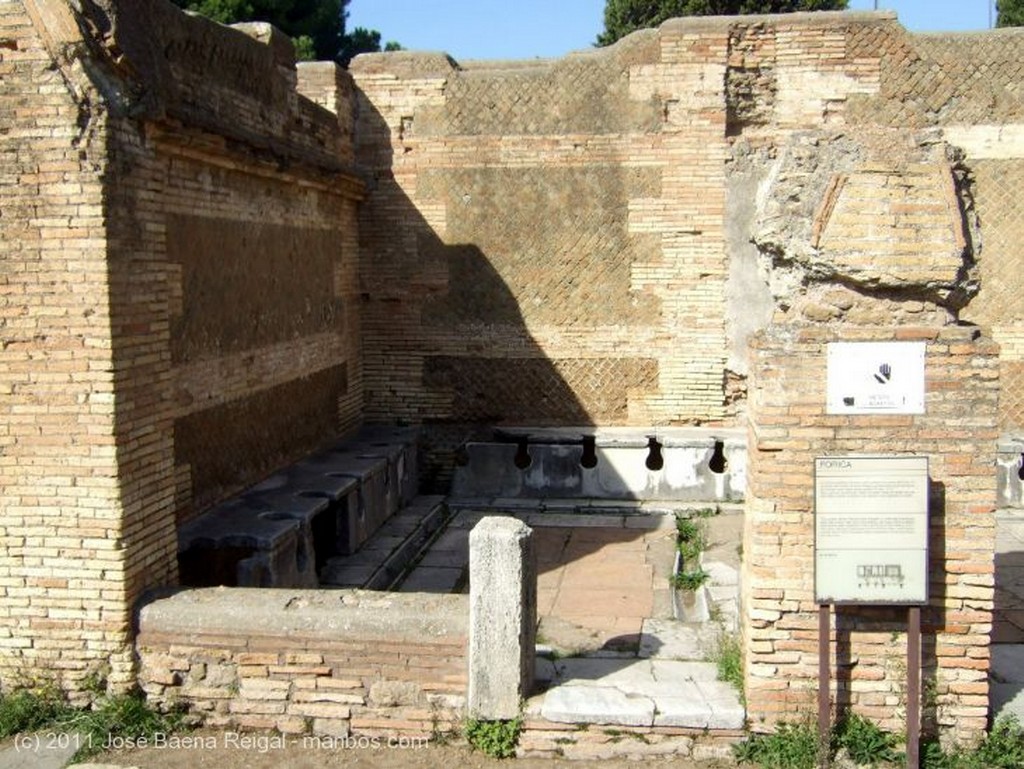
(638, 692)
(386, 557)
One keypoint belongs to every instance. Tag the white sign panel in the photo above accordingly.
(875, 378)
(871, 530)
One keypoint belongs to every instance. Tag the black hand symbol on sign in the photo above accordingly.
(884, 374)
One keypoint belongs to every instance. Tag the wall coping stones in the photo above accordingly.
(320, 614)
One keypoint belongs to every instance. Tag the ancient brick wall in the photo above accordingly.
(535, 246)
(554, 241)
(967, 86)
(789, 428)
(62, 548)
(179, 254)
(249, 659)
(239, 210)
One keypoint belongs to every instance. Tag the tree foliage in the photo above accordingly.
(1010, 13)
(316, 26)
(624, 16)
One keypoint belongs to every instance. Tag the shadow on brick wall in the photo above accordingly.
(447, 340)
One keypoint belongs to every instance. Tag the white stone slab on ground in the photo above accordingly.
(597, 705)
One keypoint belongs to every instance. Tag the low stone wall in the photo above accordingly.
(334, 663)
(549, 739)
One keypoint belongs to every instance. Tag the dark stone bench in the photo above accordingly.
(281, 531)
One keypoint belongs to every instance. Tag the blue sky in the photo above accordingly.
(524, 29)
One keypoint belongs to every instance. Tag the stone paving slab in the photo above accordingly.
(603, 592)
(1008, 623)
(626, 691)
(597, 705)
(433, 580)
(26, 753)
(671, 639)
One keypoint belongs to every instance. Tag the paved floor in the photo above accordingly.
(1009, 620)
(599, 576)
(1007, 672)
(612, 651)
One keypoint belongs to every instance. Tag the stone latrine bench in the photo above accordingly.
(281, 531)
(1010, 471)
(607, 464)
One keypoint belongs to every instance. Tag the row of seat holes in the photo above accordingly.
(655, 459)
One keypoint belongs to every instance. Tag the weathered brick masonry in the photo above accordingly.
(180, 302)
(851, 163)
(276, 660)
(789, 428)
(193, 295)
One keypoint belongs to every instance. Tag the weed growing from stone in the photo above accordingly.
(117, 717)
(792, 746)
(690, 580)
(27, 710)
(497, 738)
(1001, 748)
(728, 658)
(691, 539)
(795, 746)
(687, 529)
(865, 742)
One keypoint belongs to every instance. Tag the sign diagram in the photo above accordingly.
(871, 529)
(875, 378)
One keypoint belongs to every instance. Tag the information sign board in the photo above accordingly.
(871, 529)
(875, 378)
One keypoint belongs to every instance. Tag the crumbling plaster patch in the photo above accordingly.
(827, 197)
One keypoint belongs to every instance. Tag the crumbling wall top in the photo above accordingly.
(148, 60)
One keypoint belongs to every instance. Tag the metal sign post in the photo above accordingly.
(913, 686)
(824, 685)
(871, 549)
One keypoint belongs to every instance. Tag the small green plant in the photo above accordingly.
(690, 549)
(1001, 748)
(687, 529)
(123, 715)
(27, 710)
(689, 580)
(865, 742)
(497, 738)
(792, 746)
(691, 539)
(728, 658)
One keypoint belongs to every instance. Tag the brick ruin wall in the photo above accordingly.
(759, 178)
(587, 241)
(246, 659)
(789, 428)
(180, 310)
(543, 243)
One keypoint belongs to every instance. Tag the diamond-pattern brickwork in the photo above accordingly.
(549, 246)
(1011, 395)
(942, 79)
(1000, 304)
(575, 95)
(539, 391)
(998, 185)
